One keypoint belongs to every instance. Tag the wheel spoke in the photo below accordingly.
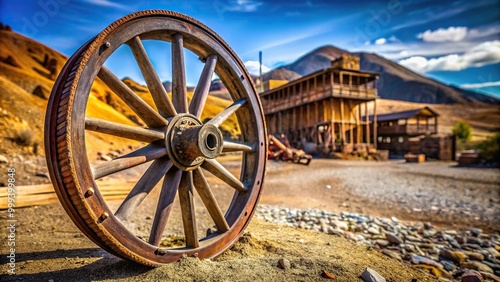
(188, 210)
(206, 195)
(141, 108)
(236, 147)
(142, 188)
(167, 196)
(226, 113)
(179, 91)
(201, 92)
(122, 130)
(141, 156)
(222, 173)
(164, 105)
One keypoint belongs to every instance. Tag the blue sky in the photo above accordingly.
(457, 42)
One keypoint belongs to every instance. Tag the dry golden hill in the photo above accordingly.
(28, 70)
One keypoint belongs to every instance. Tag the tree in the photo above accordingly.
(463, 131)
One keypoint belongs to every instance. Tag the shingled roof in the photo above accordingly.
(425, 111)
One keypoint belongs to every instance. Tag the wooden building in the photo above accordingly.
(324, 110)
(395, 129)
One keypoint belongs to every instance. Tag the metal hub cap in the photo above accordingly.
(190, 142)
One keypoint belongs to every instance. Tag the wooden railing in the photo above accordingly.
(297, 99)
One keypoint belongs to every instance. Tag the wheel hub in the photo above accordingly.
(190, 142)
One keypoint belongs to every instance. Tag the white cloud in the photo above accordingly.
(481, 85)
(380, 41)
(243, 6)
(393, 39)
(482, 54)
(253, 67)
(451, 33)
(108, 3)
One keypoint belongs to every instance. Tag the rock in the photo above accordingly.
(472, 276)
(382, 243)
(475, 256)
(455, 256)
(429, 233)
(373, 230)
(393, 238)
(475, 265)
(339, 224)
(391, 254)
(327, 275)
(494, 266)
(370, 275)
(448, 265)
(474, 240)
(3, 159)
(471, 247)
(423, 260)
(284, 263)
(490, 276)
(476, 231)
(42, 174)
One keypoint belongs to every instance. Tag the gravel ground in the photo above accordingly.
(439, 192)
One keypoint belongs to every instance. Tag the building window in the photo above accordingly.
(388, 140)
(380, 139)
(401, 139)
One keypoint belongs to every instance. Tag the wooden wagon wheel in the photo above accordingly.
(180, 147)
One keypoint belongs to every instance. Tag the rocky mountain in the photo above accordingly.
(395, 81)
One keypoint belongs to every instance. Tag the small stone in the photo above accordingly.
(284, 263)
(474, 240)
(428, 225)
(382, 243)
(455, 256)
(429, 233)
(391, 254)
(373, 230)
(475, 256)
(370, 275)
(448, 265)
(490, 276)
(472, 276)
(423, 260)
(328, 187)
(42, 174)
(3, 159)
(393, 238)
(327, 275)
(475, 265)
(476, 231)
(340, 224)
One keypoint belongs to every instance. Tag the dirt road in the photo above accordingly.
(49, 247)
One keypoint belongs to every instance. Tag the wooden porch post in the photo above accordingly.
(367, 124)
(342, 118)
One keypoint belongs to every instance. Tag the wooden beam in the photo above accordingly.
(342, 117)
(375, 123)
(367, 122)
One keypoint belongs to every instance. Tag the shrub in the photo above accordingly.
(25, 137)
(489, 149)
(463, 131)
